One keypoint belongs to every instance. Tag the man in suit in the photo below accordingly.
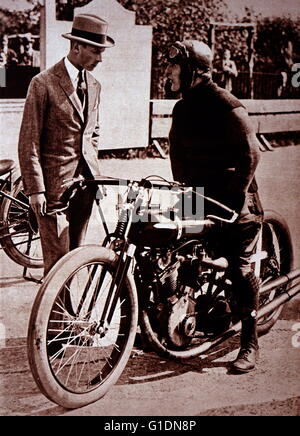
(213, 145)
(59, 138)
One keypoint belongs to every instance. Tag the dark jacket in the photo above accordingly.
(213, 144)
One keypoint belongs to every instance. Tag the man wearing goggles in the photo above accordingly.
(213, 145)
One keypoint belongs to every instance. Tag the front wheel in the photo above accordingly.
(73, 360)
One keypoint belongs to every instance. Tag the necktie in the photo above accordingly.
(81, 88)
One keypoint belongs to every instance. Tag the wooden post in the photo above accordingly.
(250, 41)
(212, 38)
(43, 36)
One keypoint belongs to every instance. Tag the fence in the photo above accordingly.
(266, 86)
(268, 117)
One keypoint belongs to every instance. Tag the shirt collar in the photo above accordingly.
(72, 71)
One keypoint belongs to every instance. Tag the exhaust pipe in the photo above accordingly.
(236, 328)
(282, 280)
(278, 301)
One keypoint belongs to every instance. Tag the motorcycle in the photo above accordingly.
(156, 270)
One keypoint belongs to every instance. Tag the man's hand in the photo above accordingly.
(38, 203)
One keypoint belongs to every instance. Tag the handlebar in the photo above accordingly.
(113, 181)
(72, 184)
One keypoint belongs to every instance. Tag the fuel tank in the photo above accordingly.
(156, 229)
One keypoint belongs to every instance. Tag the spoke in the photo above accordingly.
(89, 365)
(53, 358)
(117, 348)
(73, 321)
(64, 313)
(108, 362)
(76, 354)
(68, 344)
(58, 337)
(84, 363)
(98, 361)
(123, 301)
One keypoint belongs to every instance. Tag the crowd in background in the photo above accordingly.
(19, 50)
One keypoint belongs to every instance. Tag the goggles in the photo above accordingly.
(177, 51)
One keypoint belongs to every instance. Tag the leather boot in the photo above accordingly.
(248, 355)
(245, 361)
(248, 302)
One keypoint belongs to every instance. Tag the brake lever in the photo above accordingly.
(224, 220)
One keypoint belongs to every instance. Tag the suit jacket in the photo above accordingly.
(54, 136)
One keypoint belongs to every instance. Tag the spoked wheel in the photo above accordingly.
(19, 234)
(73, 358)
(276, 245)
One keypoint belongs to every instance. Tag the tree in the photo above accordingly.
(173, 20)
(277, 44)
(19, 22)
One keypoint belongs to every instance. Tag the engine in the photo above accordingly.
(175, 281)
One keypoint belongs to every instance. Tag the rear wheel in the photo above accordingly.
(19, 231)
(73, 359)
(276, 243)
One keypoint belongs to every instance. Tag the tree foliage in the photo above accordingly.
(277, 40)
(277, 45)
(19, 22)
(174, 20)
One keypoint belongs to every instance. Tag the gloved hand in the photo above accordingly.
(236, 200)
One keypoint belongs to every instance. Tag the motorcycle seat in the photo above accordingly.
(6, 165)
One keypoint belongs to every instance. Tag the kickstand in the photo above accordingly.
(30, 278)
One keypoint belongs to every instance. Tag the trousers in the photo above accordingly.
(64, 227)
(63, 230)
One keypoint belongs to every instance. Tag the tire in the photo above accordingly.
(277, 242)
(84, 365)
(19, 237)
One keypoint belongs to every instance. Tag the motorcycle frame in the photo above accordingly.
(126, 256)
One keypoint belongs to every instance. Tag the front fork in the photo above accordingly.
(123, 264)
